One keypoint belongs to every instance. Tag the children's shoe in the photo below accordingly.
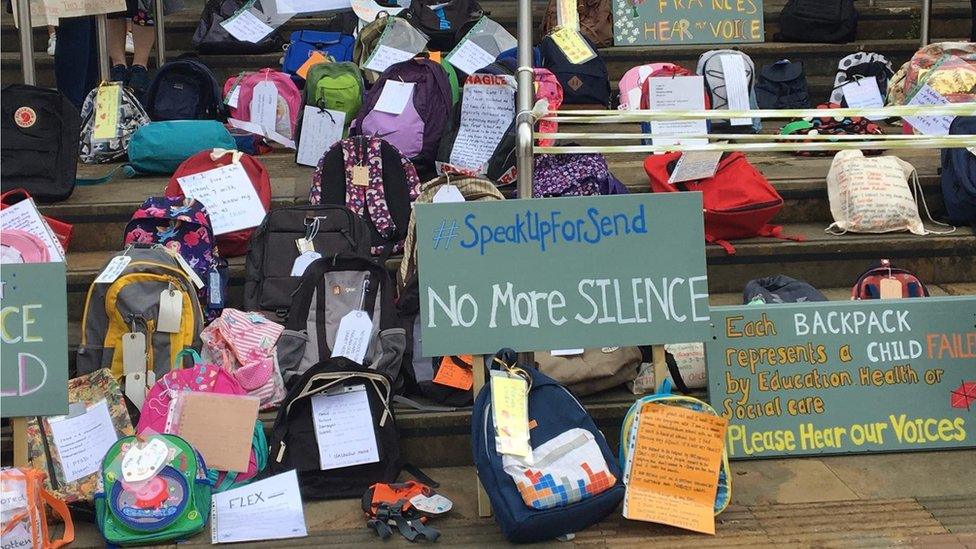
(138, 80)
(130, 45)
(52, 43)
(119, 73)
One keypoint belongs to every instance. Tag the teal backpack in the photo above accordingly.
(172, 505)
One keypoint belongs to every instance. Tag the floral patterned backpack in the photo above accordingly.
(131, 117)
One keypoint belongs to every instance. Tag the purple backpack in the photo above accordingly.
(183, 227)
(573, 175)
(416, 132)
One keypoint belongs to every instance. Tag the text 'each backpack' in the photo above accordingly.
(818, 21)
(738, 200)
(443, 22)
(184, 89)
(288, 98)
(141, 508)
(39, 141)
(782, 85)
(230, 244)
(336, 46)
(211, 37)
(324, 229)
(130, 304)
(959, 176)
(586, 83)
(712, 67)
(868, 285)
(130, 117)
(546, 497)
(378, 185)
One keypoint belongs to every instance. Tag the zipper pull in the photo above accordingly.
(281, 452)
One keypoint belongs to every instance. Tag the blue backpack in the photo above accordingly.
(959, 176)
(560, 504)
(303, 43)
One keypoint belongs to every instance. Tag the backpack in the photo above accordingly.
(184, 89)
(289, 98)
(334, 45)
(710, 66)
(384, 201)
(443, 22)
(547, 87)
(332, 229)
(959, 176)
(868, 285)
(160, 147)
(544, 502)
(333, 86)
(417, 131)
(782, 85)
(131, 117)
(294, 444)
(631, 85)
(831, 125)
(664, 70)
(368, 39)
(212, 38)
(573, 175)
(586, 83)
(929, 60)
(595, 21)
(235, 243)
(819, 21)
(124, 521)
(25, 517)
(857, 65)
(130, 303)
(779, 289)
(39, 141)
(329, 289)
(593, 370)
(738, 200)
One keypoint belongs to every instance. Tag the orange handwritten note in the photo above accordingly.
(673, 475)
(313, 59)
(452, 375)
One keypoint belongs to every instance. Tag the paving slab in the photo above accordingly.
(786, 481)
(903, 475)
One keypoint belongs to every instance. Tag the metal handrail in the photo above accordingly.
(25, 30)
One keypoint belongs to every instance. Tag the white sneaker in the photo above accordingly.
(52, 42)
(130, 46)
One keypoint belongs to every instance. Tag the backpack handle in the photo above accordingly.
(178, 359)
(61, 509)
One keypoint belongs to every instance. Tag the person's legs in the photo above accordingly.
(76, 58)
(144, 37)
(115, 31)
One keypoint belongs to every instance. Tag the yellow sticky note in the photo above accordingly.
(571, 42)
(313, 59)
(107, 112)
(510, 410)
(567, 14)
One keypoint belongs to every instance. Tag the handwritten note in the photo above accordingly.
(266, 509)
(24, 216)
(487, 111)
(344, 428)
(863, 93)
(930, 125)
(352, 336)
(311, 6)
(246, 27)
(681, 93)
(384, 56)
(695, 165)
(229, 196)
(567, 14)
(468, 57)
(394, 97)
(320, 130)
(510, 411)
(453, 375)
(107, 112)
(571, 42)
(672, 473)
(82, 441)
(736, 86)
(264, 105)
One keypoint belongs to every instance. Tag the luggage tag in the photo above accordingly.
(306, 243)
(235, 92)
(107, 112)
(114, 269)
(452, 375)
(510, 411)
(352, 337)
(144, 460)
(215, 290)
(264, 105)
(303, 261)
(434, 505)
(134, 366)
(891, 288)
(447, 193)
(194, 277)
(170, 311)
(393, 99)
(571, 42)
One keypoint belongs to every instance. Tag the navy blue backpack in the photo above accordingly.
(302, 43)
(184, 89)
(555, 412)
(959, 176)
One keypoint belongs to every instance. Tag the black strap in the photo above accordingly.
(416, 473)
(679, 383)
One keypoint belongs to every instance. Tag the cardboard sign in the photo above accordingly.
(845, 376)
(47, 12)
(487, 111)
(673, 468)
(679, 23)
(220, 427)
(229, 196)
(583, 285)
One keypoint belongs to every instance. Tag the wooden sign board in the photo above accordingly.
(679, 22)
(561, 273)
(845, 377)
(47, 12)
(34, 330)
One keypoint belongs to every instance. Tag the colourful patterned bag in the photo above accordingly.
(131, 116)
(244, 345)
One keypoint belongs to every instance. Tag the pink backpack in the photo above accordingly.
(244, 344)
(19, 246)
(289, 98)
(548, 87)
(632, 84)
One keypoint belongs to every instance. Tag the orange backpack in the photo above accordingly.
(24, 513)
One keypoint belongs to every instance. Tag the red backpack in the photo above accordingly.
(235, 243)
(738, 200)
(868, 285)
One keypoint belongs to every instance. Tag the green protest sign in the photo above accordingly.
(843, 377)
(561, 273)
(34, 330)
(677, 22)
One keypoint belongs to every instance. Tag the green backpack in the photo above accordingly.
(335, 86)
(172, 505)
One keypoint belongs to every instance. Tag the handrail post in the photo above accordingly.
(101, 32)
(26, 42)
(524, 101)
(160, 34)
(926, 16)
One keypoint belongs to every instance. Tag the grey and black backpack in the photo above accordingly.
(131, 117)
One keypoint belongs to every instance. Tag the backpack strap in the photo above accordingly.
(60, 509)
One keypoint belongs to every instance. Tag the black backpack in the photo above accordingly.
(444, 25)
(586, 83)
(268, 284)
(821, 21)
(294, 441)
(212, 38)
(39, 142)
(782, 85)
(779, 289)
(184, 89)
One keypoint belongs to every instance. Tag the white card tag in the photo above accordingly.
(135, 389)
(863, 93)
(469, 57)
(194, 277)
(133, 353)
(304, 245)
(448, 193)
(170, 311)
(246, 27)
(143, 461)
(566, 352)
(434, 505)
(264, 105)
(736, 86)
(695, 165)
(303, 261)
(891, 288)
(113, 270)
(352, 337)
(233, 96)
(320, 129)
(394, 97)
(384, 56)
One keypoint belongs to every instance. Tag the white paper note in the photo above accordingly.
(566, 352)
(384, 56)
(344, 428)
(257, 129)
(246, 27)
(310, 6)
(113, 270)
(736, 86)
(680, 93)
(487, 112)
(695, 165)
(447, 194)
(229, 196)
(320, 129)
(352, 336)
(394, 97)
(24, 216)
(82, 441)
(266, 509)
(863, 93)
(264, 105)
(930, 125)
(469, 57)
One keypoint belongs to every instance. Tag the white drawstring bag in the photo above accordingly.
(876, 195)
